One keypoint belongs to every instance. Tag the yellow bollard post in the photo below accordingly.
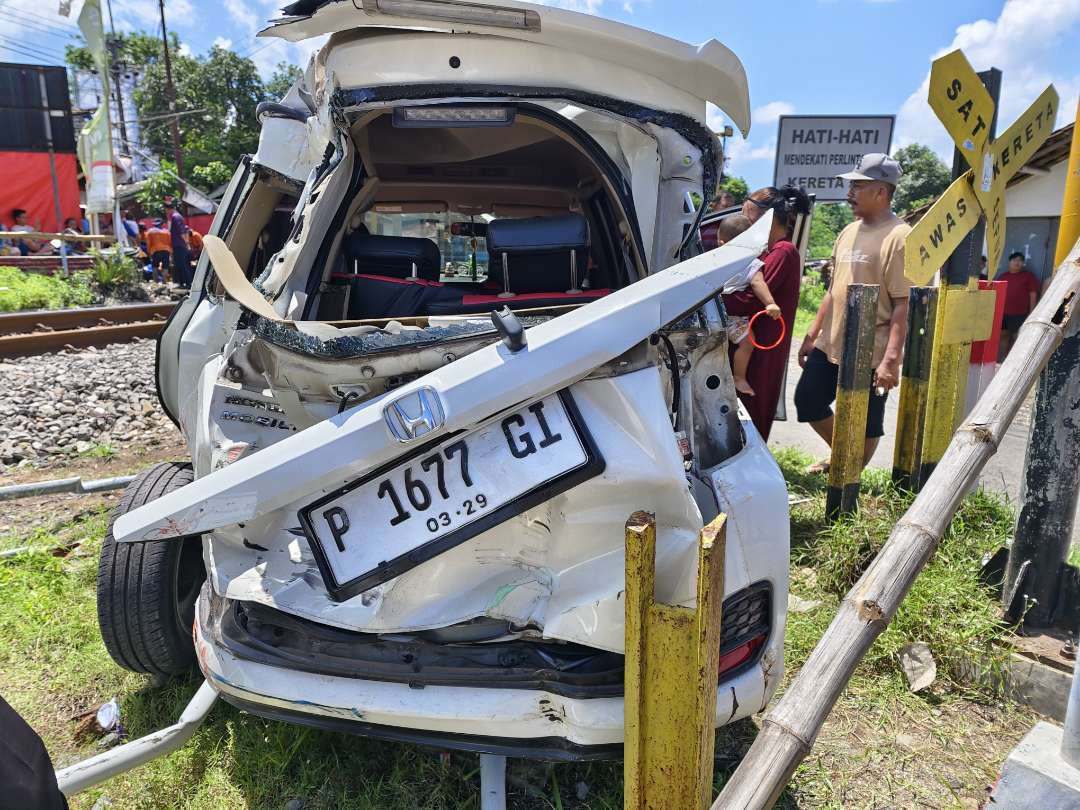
(915, 379)
(852, 400)
(672, 658)
(1069, 227)
(964, 314)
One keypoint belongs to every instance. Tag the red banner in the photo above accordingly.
(26, 182)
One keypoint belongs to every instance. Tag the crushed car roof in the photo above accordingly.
(709, 71)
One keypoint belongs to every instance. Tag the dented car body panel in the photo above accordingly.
(320, 436)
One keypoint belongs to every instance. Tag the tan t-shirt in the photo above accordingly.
(866, 255)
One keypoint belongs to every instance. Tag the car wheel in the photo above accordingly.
(146, 592)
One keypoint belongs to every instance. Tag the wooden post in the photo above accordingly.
(852, 400)
(1051, 483)
(672, 658)
(789, 730)
(915, 380)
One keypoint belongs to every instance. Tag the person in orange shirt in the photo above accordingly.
(159, 246)
(195, 240)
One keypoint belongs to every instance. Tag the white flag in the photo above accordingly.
(95, 140)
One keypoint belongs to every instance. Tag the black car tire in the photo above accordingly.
(146, 592)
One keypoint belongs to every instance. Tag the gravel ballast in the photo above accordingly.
(55, 406)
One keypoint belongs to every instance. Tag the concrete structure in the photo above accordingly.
(1036, 776)
(1033, 204)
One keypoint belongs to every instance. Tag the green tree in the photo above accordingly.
(216, 96)
(285, 76)
(924, 177)
(136, 49)
(829, 220)
(736, 186)
(161, 184)
(211, 175)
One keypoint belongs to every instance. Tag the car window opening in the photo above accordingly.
(466, 219)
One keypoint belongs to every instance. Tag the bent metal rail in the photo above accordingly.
(41, 331)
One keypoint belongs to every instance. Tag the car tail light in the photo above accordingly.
(744, 627)
(441, 115)
(733, 659)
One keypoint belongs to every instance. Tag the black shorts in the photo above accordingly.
(1012, 322)
(161, 258)
(816, 392)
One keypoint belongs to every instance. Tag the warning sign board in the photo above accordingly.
(940, 231)
(812, 149)
(960, 100)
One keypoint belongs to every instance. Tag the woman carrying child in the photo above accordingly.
(780, 271)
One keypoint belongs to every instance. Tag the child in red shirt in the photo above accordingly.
(1021, 293)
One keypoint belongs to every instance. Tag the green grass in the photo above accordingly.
(53, 666)
(102, 451)
(948, 607)
(19, 290)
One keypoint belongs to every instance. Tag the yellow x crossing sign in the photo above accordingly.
(962, 104)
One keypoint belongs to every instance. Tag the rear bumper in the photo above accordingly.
(538, 723)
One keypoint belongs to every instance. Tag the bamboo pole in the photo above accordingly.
(789, 730)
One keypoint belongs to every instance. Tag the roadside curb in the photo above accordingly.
(1031, 683)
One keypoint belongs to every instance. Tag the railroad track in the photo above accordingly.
(41, 331)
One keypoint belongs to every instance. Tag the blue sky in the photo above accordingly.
(801, 56)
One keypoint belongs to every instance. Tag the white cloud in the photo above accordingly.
(185, 50)
(1017, 42)
(145, 15)
(741, 151)
(222, 42)
(269, 52)
(770, 113)
(243, 15)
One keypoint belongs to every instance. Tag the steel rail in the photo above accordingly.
(33, 320)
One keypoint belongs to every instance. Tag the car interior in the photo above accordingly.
(468, 219)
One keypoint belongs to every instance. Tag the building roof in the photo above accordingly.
(1052, 152)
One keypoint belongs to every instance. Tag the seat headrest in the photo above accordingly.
(394, 255)
(538, 234)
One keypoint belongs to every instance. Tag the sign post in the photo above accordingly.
(965, 314)
(812, 149)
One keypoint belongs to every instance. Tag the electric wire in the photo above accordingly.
(53, 22)
(28, 50)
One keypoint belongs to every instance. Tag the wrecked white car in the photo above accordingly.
(455, 334)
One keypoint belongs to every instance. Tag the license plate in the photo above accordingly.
(376, 528)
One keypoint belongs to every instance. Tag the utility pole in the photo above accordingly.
(114, 68)
(170, 93)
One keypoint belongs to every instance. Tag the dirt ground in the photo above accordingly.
(21, 517)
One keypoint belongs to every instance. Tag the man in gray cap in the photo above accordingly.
(868, 251)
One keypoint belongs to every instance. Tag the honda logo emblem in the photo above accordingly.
(415, 414)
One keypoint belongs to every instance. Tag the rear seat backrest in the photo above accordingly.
(392, 256)
(537, 252)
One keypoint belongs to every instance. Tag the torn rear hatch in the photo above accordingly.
(643, 66)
